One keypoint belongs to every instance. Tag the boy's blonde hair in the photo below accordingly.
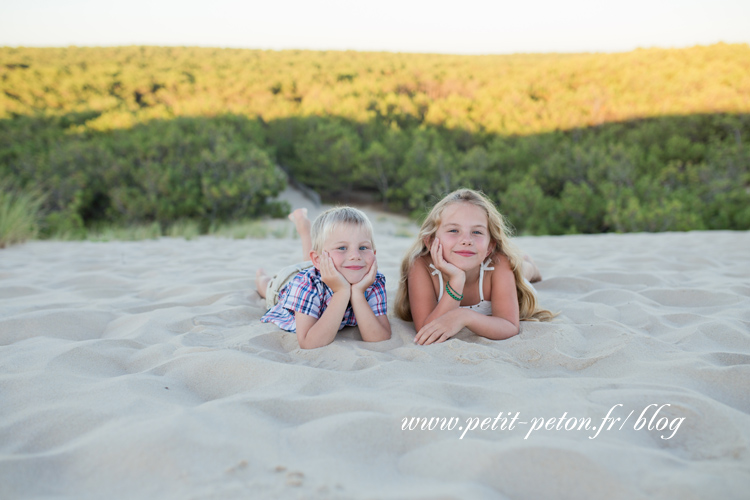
(332, 218)
(499, 234)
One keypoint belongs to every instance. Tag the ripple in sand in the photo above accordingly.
(524, 470)
(615, 297)
(78, 324)
(685, 297)
(98, 359)
(728, 358)
(568, 284)
(632, 279)
(12, 292)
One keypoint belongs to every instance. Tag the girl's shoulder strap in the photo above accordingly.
(440, 278)
(484, 267)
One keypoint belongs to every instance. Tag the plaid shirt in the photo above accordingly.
(306, 293)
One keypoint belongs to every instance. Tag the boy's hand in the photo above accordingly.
(367, 280)
(331, 276)
(452, 272)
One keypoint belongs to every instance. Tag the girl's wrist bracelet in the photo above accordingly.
(452, 293)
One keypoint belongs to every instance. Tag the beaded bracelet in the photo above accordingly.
(452, 293)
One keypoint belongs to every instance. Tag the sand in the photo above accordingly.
(141, 370)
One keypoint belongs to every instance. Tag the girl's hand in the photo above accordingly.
(442, 328)
(452, 272)
(331, 276)
(367, 280)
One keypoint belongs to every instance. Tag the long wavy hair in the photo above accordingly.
(529, 309)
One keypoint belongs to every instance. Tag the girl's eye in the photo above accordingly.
(478, 232)
(341, 248)
(453, 230)
(364, 247)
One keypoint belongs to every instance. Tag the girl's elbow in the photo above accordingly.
(512, 331)
(507, 332)
(418, 324)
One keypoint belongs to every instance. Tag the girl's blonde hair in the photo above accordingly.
(325, 223)
(499, 234)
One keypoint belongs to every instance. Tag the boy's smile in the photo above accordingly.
(350, 247)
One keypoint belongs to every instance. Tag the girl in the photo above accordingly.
(463, 271)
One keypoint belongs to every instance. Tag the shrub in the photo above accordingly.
(19, 214)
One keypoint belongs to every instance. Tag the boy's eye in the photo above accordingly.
(364, 247)
(341, 248)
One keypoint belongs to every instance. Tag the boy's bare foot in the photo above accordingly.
(303, 225)
(261, 282)
(530, 270)
(299, 215)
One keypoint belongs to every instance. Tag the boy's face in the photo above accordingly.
(350, 248)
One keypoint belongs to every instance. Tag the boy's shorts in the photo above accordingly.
(281, 278)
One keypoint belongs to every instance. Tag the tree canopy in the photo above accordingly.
(645, 140)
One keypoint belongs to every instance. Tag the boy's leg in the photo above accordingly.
(530, 271)
(261, 282)
(303, 224)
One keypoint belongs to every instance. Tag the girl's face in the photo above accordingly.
(465, 236)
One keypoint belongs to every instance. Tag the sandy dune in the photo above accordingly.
(141, 370)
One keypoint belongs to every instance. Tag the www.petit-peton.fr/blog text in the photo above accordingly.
(651, 418)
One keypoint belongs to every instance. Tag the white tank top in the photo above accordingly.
(484, 306)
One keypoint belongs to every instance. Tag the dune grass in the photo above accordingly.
(19, 214)
(120, 233)
(187, 229)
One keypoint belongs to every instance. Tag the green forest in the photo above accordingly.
(649, 140)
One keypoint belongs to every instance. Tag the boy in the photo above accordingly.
(339, 287)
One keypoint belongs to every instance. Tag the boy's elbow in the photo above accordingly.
(378, 335)
(383, 338)
(377, 332)
(386, 335)
(310, 345)
(304, 344)
(308, 342)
